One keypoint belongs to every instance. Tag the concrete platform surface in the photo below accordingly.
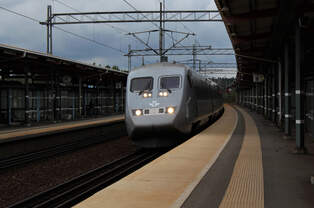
(52, 128)
(239, 161)
(169, 180)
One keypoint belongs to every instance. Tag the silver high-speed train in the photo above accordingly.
(165, 101)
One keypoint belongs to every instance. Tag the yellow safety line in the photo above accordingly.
(187, 192)
(168, 180)
(246, 187)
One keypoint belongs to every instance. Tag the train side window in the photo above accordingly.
(171, 82)
(142, 84)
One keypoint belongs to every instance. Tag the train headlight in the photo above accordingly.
(163, 94)
(170, 110)
(138, 112)
(147, 94)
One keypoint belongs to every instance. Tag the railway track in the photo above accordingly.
(81, 187)
(48, 152)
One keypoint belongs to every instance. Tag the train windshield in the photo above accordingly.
(170, 82)
(142, 84)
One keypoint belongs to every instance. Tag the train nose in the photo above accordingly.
(139, 112)
(145, 118)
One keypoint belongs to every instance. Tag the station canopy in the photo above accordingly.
(16, 62)
(257, 30)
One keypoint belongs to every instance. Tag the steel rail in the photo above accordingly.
(83, 186)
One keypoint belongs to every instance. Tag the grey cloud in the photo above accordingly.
(21, 32)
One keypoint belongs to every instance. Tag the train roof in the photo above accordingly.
(164, 64)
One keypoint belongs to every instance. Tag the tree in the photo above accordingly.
(115, 68)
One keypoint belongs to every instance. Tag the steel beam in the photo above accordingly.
(252, 15)
(257, 36)
(208, 51)
(135, 16)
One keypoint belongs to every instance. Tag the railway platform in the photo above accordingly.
(14, 134)
(29, 140)
(239, 161)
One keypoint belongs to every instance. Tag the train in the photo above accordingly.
(166, 101)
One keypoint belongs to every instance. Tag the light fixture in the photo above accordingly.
(170, 110)
(138, 112)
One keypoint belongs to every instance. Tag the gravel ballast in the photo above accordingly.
(21, 182)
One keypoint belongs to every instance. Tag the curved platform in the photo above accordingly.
(236, 162)
(170, 179)
(31, 132)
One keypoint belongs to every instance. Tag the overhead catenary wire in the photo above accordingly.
(19, 14)
(88, 39)
(61, 29)
(117, 29)
(133, 7)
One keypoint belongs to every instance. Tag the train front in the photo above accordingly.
(153, 105)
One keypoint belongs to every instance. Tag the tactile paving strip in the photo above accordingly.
(169, 180)
(246, 187)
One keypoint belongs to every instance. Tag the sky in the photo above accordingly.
(25, 33)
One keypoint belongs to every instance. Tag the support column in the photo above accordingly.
(279, 121)
(85, 102)
(287, 94)
(122, 97)
(53, 97)
(251, 98)
(256, 97)
(114, 96)
(80, 97)
(59, 96)
(129, 59)
(270, 102)
(73, 106)
(274, 94)
(26, 100)
(268, 95)
(38, 105)
(299, 91)
(49, 29)
(9, 105)
(265, 96)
